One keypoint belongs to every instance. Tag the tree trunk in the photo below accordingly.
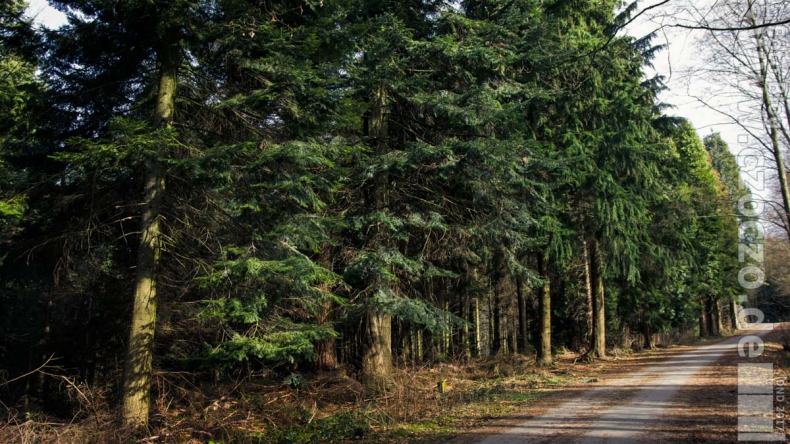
(465, 302)
(478, 348)
(773, 123)
(377, 359)
(139, 353)
(589, 290)
(598, 343)
(523, 327)
(647, 334)
(45, 343)
(497, 320)
(512, 341)
(418, 351)
(717, 308)
(710, 317)
(544, 306)
(448, 344)
(404, 345)
(326, 357)
(703, 321)
(377, 356)
(733, 316)
(325, 350)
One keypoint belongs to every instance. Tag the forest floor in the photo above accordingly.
(676, 393)
(686, 393)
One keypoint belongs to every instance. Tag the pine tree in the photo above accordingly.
(19, 92)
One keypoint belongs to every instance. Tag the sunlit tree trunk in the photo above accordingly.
(598, 343)
(717, 310)
(733, 316)
(544, 306)
(139, 354)
(588, 289)
(377, 354)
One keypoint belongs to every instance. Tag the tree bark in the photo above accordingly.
(773, 122)
(544, 306)
(326, 350)
(418, 349)
(377, 360)
(589, 290)
(647, 334)
(139, 353)
(478, 347)
(377, 355)
(710, 317)
(717, 308)
(497, 320)
(523, 327)
(466, 350)
(598, 343)
(733, 316)
(703, 321)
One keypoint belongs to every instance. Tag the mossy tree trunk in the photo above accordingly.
(139, 353)
(377, 354)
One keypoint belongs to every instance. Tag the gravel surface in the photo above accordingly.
(672, 400)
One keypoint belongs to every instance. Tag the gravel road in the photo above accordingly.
(622, 410)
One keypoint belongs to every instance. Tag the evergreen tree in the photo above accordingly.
(19, 92)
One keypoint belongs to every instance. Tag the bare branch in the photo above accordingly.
(732, 28)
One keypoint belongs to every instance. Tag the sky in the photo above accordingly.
(682, 55)
(679, 57)
(45, 14)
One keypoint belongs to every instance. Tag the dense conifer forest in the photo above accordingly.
(218, 191)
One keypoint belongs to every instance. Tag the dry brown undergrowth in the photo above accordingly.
(414, 411)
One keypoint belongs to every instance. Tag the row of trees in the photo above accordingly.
(238, 184)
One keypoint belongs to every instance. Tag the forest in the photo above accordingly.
(218, 191)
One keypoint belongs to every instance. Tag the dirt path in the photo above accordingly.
(630, 408)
